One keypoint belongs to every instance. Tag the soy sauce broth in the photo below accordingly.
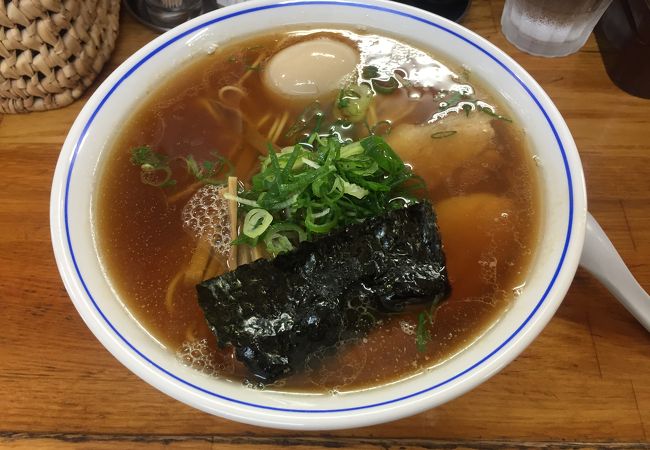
(486, 206)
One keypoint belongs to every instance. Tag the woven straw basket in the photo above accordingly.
(52, 50)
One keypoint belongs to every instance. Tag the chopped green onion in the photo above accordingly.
(310, 163)
(256, 222)
(276, 239)
(468, 104)
(290, 201)
(320, 184)
(378, 149)
(350, 150)
(208, 171)
(490, 112)
(155, 170)
(323, 213)
(452, 100)
(369, 72)
(422, 333)
(323, 227)
(354, 190)
(443, 134)
(277, 243)
(241, 200)
(353, 102)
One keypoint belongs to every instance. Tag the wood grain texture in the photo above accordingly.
(583, 383)
(99, 442)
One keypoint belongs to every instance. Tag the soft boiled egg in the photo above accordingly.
(310, 70)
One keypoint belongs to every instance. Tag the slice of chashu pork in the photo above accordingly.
(438, 149)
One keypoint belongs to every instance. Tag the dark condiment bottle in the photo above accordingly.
(623, 36)
(451, 9)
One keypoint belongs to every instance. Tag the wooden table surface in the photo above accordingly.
(584, 382)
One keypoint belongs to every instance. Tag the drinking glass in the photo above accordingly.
(169, 13)
(550, 27)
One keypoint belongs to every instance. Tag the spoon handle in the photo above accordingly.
(601, 259)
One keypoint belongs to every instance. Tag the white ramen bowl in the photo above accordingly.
(563, 217)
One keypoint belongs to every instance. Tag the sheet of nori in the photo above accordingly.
(277, 313)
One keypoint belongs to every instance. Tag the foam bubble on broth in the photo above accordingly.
(408, 327)
(206, 217)
(199, 356)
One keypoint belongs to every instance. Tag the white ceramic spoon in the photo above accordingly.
(602, 260)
